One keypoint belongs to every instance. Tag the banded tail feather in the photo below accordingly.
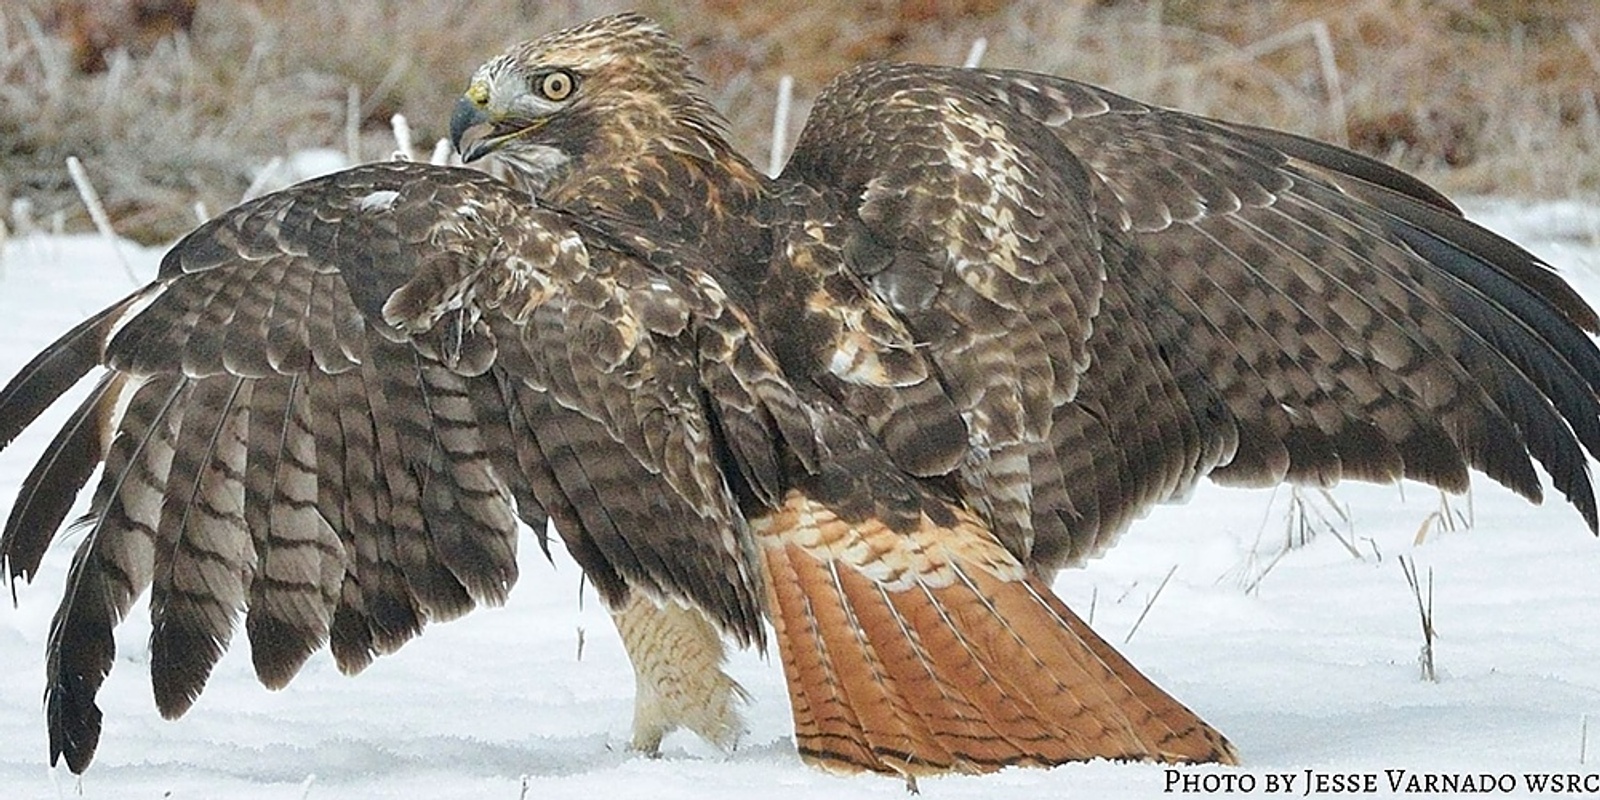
(935, 650)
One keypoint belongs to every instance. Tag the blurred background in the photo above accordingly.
(175, 107)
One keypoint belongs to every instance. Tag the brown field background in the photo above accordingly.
(177, 104)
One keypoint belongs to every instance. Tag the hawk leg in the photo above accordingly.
(934, 650)
(677, 657)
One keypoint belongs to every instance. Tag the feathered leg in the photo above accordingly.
(677, 657)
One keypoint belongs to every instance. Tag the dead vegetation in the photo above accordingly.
(1430, 672)
(170, 103)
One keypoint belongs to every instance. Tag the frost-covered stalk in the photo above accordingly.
(780, 125)
(1317, 32)
(402, 138)
(352, 123)
(1446, 518)
(975, 53)
(441, 153)
(263, 179)
(97, 212)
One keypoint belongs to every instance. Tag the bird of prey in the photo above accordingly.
(982, 321)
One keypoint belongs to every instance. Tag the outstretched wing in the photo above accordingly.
(329, 406)
(1118, 300)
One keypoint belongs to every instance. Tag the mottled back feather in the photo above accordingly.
(1199, 299)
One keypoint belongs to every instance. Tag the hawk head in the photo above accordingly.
(600, 93)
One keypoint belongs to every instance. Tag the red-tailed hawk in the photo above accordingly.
(982, 321)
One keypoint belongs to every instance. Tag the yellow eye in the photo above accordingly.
(556, 86)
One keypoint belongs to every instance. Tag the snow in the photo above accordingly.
(1308, 661)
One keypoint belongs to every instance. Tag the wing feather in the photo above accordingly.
(203, 557)
(384, 532)
(56, 369)
(328, 413)
(112, 565)
(467, 506)
(1242, 304)
(299, 558)
(53, 484)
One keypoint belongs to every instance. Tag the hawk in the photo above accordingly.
(982, 321)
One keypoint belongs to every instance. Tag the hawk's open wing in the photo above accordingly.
(329, 404)
(1118, 300)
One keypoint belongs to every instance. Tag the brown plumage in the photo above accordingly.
(981, 322)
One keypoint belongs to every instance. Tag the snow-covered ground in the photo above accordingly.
(1307, 662)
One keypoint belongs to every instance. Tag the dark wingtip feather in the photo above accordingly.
(74, 728)
(181, 658)
(350, 637)
(53, 371)
(1534, 318)
(1423, 208)
(47, 494)
(80, 654)
(1553, 358)
(49, 489)
(1504, 257)
(1541, 368)
(1349, 163)
(278, 650)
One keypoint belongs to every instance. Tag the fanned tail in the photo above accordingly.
(933, 650)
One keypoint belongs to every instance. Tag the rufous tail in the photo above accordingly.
(935, 651)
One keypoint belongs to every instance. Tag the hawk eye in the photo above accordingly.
(557, 85)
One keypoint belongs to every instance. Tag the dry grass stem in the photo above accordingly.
(1446, 518)
(1253, 582)
(1377, 554)
(1149, 604)
(1316, 32)
(1311, 516)
(1591, 53)
(1425, 613)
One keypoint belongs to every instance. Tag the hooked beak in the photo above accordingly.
(475, 132)
(471, 131)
